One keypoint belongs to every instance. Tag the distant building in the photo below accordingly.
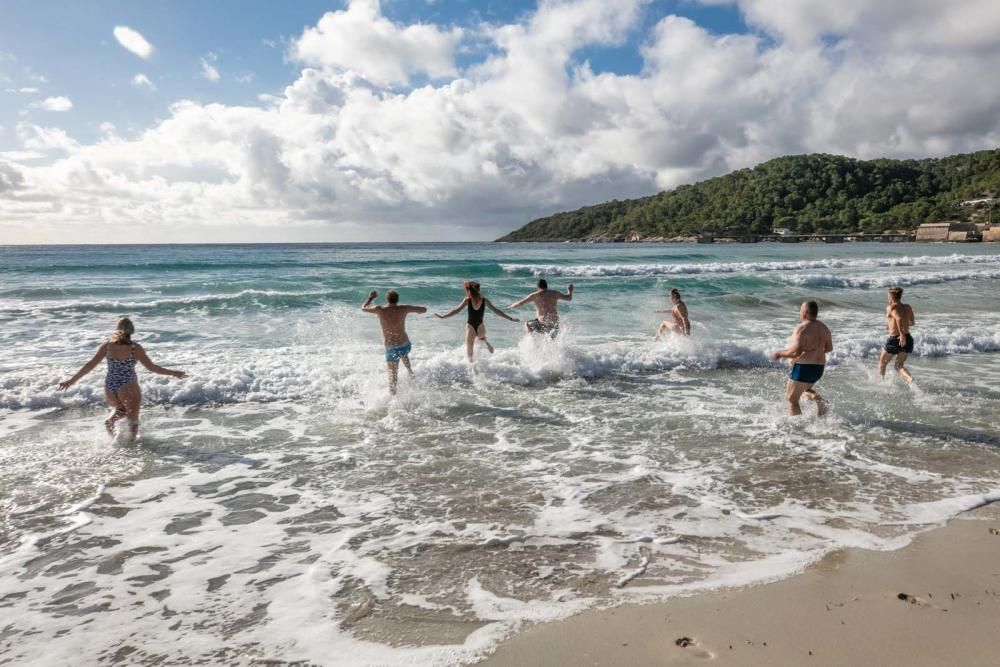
(942, 231)
(982, 201)
(781, 231)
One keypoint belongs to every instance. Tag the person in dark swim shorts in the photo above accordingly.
(536, 326)
(900, 342)
(546, 302)
(810, 373)
(811, 342)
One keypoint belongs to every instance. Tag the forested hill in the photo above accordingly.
(805, 193)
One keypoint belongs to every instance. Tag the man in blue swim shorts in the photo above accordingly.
(900, 342)
(392, 318)
(811, 341)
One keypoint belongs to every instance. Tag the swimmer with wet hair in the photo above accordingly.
(681, 324)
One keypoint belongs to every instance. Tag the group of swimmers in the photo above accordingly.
(810, 343)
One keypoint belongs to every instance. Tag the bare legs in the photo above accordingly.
(119, 412)
(798, 390)
(883, 361)
(470, 340)
(393, 367)
(126, 401)
(667, 327)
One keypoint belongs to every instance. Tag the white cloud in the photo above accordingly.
(530, 128)
(361, 39)
(208, 70)
(26, 90)
(133, 41)
(142, 81)
(54, 104)
(45, 139)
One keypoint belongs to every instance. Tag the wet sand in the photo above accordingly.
(934, 602)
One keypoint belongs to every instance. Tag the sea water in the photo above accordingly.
(280, 505)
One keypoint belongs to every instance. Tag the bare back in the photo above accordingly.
(392, 319)
(900, 318)
(547, 305)
(680, 314)
(814, 340)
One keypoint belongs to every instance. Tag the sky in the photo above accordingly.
(452, 120)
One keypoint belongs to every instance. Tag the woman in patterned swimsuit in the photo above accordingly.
(121, 385)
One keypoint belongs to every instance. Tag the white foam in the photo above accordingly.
(601, 270)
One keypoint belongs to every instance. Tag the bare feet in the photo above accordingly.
(488, 346)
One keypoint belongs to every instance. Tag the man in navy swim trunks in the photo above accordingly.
(900, 342)
(392, 318)
(811, 341)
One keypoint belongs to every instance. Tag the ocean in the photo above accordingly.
(279, 505)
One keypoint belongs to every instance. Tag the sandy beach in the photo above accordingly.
(934, 602)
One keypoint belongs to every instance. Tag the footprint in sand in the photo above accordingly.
(691, 647)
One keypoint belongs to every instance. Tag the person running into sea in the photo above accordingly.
(392, 318)
(121, 384)
(900, 342)
(811, 341)
(546, 308)
(681, 324)
(475, 328)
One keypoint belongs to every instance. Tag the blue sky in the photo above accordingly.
(459, 120)
(70, 44)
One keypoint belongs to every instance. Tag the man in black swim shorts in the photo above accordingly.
(900, 342)
(546, 309)
(811, 341)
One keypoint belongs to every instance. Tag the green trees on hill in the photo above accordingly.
(805, 193)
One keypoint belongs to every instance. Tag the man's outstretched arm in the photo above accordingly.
(569, 295)
(518, 304)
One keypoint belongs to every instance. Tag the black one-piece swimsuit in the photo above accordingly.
(476, 314)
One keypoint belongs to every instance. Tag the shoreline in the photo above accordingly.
(935, 601)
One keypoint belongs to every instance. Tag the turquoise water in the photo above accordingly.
(280, 505)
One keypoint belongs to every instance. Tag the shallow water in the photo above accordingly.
(280, 506)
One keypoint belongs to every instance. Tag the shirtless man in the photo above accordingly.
(681, 324)
(392, 318)
(811, 341)
(546, 309)
(900, 342)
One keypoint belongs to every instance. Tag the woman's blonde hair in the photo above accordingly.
(123, 333)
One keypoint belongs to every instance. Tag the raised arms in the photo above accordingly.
(454, 312)
(143, 358)
(367, 305)
(502, 314)
(568, 296)
(87, 367)
(518, 304)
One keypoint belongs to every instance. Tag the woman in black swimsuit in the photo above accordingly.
(477, 305)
